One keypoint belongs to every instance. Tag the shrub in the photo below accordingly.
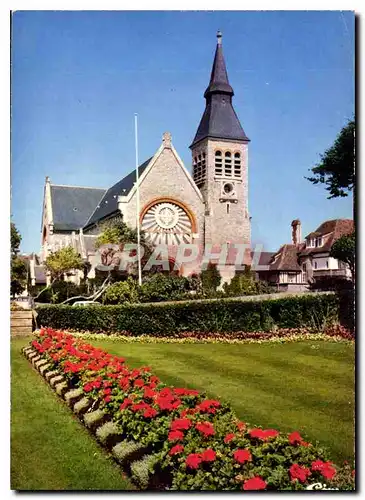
(161, 287)
(198, 443)
(200, 316)
(210, 278)
(122, 292)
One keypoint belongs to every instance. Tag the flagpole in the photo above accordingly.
(138, 207)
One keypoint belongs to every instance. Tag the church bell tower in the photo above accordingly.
(219, 152)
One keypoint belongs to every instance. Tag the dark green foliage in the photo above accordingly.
(15, 239)
(347, 308)
(330, 283)
(337, 167)
(160, 287)
(205, 316)
(210, 278)
(244, 283)
(18, 269)
(18, 276)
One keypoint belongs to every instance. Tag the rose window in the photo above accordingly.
(167, 223)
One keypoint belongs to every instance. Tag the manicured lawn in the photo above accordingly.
(50, 449)
(304, 386)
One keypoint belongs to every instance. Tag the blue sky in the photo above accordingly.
(78, 77)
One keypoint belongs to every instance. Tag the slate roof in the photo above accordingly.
(72, 206)
(219, 119)
(109, 202)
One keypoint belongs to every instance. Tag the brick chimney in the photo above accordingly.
(296, 234)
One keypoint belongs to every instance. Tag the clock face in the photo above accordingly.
(167, 223)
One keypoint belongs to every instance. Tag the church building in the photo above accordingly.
(208, 207)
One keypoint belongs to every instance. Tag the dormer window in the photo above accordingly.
(310, 243)
(319, 242)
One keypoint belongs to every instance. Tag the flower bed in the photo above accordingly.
(176, 438)
(336, 333)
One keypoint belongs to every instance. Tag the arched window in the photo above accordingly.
(228, 164)
(237, 165)
(218, 163)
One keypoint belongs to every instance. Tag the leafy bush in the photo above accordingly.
(210, 278)
(197, 443)
(205, 316)
(161, 287)
(122, 292)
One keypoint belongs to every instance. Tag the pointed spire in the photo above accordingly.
(219, 120)
(219, 79)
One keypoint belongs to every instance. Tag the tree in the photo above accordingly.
(210, 278)
(15, 239)
(116, 232)
(343, 249)
(337, 167)
(62, 262)
(17, 266)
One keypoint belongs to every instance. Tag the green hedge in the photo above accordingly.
(312, 311)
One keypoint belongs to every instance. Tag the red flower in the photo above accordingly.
(193, 460)
(229, 438)
(242, 456)
(175, 435)
(178, 448)
(148, 393)
(139, 406)
(325, 468)
(107, 391)
(180, 424)
(208, 455)
(264, 435)
(139, 382)
(295, 438)
(241, 426)
(255, 483)
(125, 403)
(298, 472)
(208, 406)
(205, 428)
(107, 399)
(150, 413)
(164, 403)
(87, 387)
